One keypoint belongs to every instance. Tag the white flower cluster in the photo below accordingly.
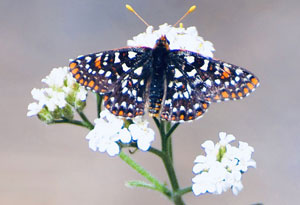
(222, 167)
(62, 90)
(109, 130)
(180, 38)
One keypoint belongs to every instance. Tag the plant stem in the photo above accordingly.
(85, 120)
(74, 122)
(159, 186)
(167, 157)
(183, 191)
(99, 103)
(169, 133)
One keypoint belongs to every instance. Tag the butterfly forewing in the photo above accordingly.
(121, 75)
(101, 71)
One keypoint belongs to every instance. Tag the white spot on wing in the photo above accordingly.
(178, 74)
(238, 71)
(134, 81)
(117, 59)
(217, 81)
(190, 59)
(138, 71)
(204, 67)
(108, 73)
(192, 73)
(208, 82)
(88, 59)
(131, 54)
(125, 68)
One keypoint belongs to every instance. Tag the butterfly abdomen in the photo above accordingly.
(156, 92)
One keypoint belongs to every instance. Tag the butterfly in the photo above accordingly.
(177, 85)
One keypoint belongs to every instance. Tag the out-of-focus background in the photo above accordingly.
(45, 165)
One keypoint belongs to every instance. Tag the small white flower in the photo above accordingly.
(56, 77)
(222, 167)
(180, 38)
(33, 109)
(225, 139)
(108, 130)
(141, 133)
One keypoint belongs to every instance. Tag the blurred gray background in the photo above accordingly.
(45, 165)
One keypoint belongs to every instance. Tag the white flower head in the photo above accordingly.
(61, 85)
(222, 167)
(180, 38)
(108, 130)
(141, 133)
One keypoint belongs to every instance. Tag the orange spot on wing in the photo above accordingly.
(254, 81)
(98, 62)
(190, 117)
(240, 94)
(226, 75)
(74, 71)
(250, 86)
(81, 81)
(85, 83)
(121, 113)
(225, 94)
(129, 114)
(105, 98)
(204, 105)
(233, 95)
(198, 113)
(96, 88)
(77, 76)
(181, 117)
(246, 90)
(91, 83)
(73, 65)
(107, 106)
(173, 118)
(114, 112)
(217, 97)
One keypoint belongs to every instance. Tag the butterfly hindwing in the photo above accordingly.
(128, 97)
(181, 101)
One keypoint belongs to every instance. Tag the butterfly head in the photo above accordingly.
(163, 42)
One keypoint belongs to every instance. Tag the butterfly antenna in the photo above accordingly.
(192, 8)
(133, 11)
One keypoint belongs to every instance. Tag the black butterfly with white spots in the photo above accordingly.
(177, 85)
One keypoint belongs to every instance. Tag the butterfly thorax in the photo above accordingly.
(160, 55)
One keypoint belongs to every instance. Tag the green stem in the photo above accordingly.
(85, 120)
(183, 191)
(74, 122)
(159, 186)
(170, 132)
(99, 103)
(166, 156)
